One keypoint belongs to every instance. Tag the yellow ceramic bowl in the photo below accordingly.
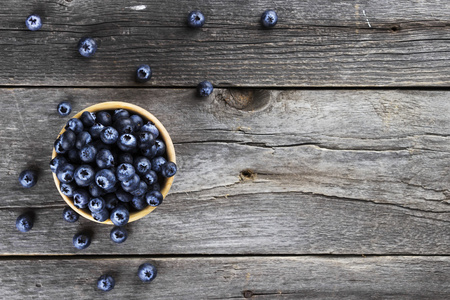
(170, 151)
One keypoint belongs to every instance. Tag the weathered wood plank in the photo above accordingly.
(335, 171)
(316, 43)
(229, 278)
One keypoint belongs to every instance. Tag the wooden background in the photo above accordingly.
(319, 167)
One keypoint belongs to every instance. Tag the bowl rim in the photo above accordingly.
(170, 152)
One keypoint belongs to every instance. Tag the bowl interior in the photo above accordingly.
(170, 152)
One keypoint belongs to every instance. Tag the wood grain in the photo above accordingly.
(232, 278)
(261, 171)
(316, 43)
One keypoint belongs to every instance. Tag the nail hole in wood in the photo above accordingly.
(38, 285)
(247, 174)
(395, 28)
(247, 294)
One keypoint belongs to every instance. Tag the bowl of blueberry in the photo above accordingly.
(113, 163)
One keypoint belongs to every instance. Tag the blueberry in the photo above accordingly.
(95, 190)
(138, 202)
(28, 178)
(155, 187)
(151, 177)
(118, 234)
(87, 47)
(68, 139)
(131, 184)
(81, 198)
(196, 19)
(73, 156)
(109, 135)
(150, 127)
(65, 173)
(143, 73)
(84, 175)
(56, 162)
(83, 138)
(88, 153)
(75, 125)
(88, 118)
(127, 142)
(149, 152)
(124, 125)
(145, 140)
(105, 283)
(142, 165)
(137, 122)
(154, 198)
(64, 108)
(111, 201)
(99, 145)
(105, 179)
(125, 158)
(103, 117)
(112, 190)
(123, 196)
(120, 113)
(96, 204)
(81, 240)
(58, 147)
(67, 188)
(160, 147)
(157, 163)
(140, 190)
(104, 159)
(33, 22)
(70, 215)
(24, 222)
(96, 130)
(120, 215)
(147, 272)
(169, 169)
(205, 88)
(125, 171)
(100, 216)
(269, 18)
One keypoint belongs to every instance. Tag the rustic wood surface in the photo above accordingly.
(307, 277)
(316, 43)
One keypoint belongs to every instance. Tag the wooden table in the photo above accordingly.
(319, 168)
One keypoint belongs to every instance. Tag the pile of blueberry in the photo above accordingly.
(111, 162)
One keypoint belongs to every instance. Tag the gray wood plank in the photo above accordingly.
(316, 43)
(334, 171)
(229, 278)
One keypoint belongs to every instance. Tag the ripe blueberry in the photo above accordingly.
(24, 222)
(109, 135)
(118, 234)
(84, 175)
(88, 118)
(81, 240)
(75, 125)
(120, 215)
(64, 108)
(269, 18)
(65, 173)
(105, 283)
(196, 19)
(147, 272)
(157, 162)
(168, 169)
(70, 215)
(28, 178)
(33, 22)
(105, 179)
(87, 47)
(205, 88)
(143, 73)
(154, 198)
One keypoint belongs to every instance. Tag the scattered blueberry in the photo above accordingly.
(143, 73)
(105, 179)
(70, 215)
(88, 153)
(118, 234)
(151, 177)
(120, 215)
(154, 198)
(88, 118)
(28, 178)
(64, 108)
(157, 163)
(126, 158)
(105, 283)
(75, 125)
(84, 175)
(169, 169)
(196, 19)
(81, 198)
(96, 204)
(137, 122)
(56, 162)
(125, 171)
(87, 47)
(105, 159)
(120, 113)
(33, 22)
(100, 216)
(24, 222)
(269, 18)
(67, 189)
(65, 173)
(96, 130)
(142, 165)
(150, 127)
(147, 272)
(127, 142)
(139, 202)
(109, 135)
(111, 201)
(103, 117)
(205, 88)
(81, 240)
(123, 196)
